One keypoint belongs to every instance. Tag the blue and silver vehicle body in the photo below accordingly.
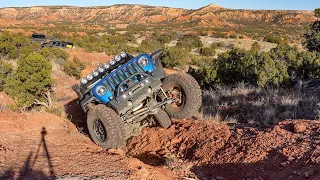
(120, 79)
(122, 83)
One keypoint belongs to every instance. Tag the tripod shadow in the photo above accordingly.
(43, 143)
(28, 171)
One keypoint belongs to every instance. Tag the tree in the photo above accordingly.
(5, 72)
(31, 83)
(312, 37)
(317, 12)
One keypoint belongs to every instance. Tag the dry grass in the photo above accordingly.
(238, 43)
(59, 111)
(257, 106)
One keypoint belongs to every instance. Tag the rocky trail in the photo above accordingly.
(42, 146)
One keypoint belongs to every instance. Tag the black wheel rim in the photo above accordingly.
(99, 130)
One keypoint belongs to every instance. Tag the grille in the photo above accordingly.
(120, 75)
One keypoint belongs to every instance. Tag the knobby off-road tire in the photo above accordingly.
(163, 118)
(112, 125)
(191, 95)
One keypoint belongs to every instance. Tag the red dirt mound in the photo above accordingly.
(290, 150)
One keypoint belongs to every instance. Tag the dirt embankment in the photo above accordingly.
(290, 150)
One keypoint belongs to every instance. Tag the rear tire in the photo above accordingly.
(163, 118)
(106, 128)
(186, 90)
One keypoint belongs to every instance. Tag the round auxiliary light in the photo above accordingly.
(143, 61)
(101, 90)
(112, 62)
(89, 77)
(83, 81)
(117, 58)
(123, 54)
(95, 73)
(106, 65)
(129, 103)
(101, 69)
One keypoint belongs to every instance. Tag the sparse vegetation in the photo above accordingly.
(189, 41)
(233, 36)
(275, 39)
(74, 67)
(275, 68)
(207, 51)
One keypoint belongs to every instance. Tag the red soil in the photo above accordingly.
(41, 145)
(289, 150)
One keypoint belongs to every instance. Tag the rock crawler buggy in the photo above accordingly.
(129, 93)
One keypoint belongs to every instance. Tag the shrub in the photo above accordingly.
(274, 39)
(5, 72)
(206, 75)
(162, 38)
(219, 35)
(189, 41)
(207, 51)
(147, 46)
(218, 44)
(74, 67)
(239, 65)
(174, 56)
(255, 47)
(203, 33)
(233, 36)
(302, 65)
(31, 80)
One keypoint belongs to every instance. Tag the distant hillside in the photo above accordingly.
(252, 23)
(209, 16)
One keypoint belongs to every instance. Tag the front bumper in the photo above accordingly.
(135, 95)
